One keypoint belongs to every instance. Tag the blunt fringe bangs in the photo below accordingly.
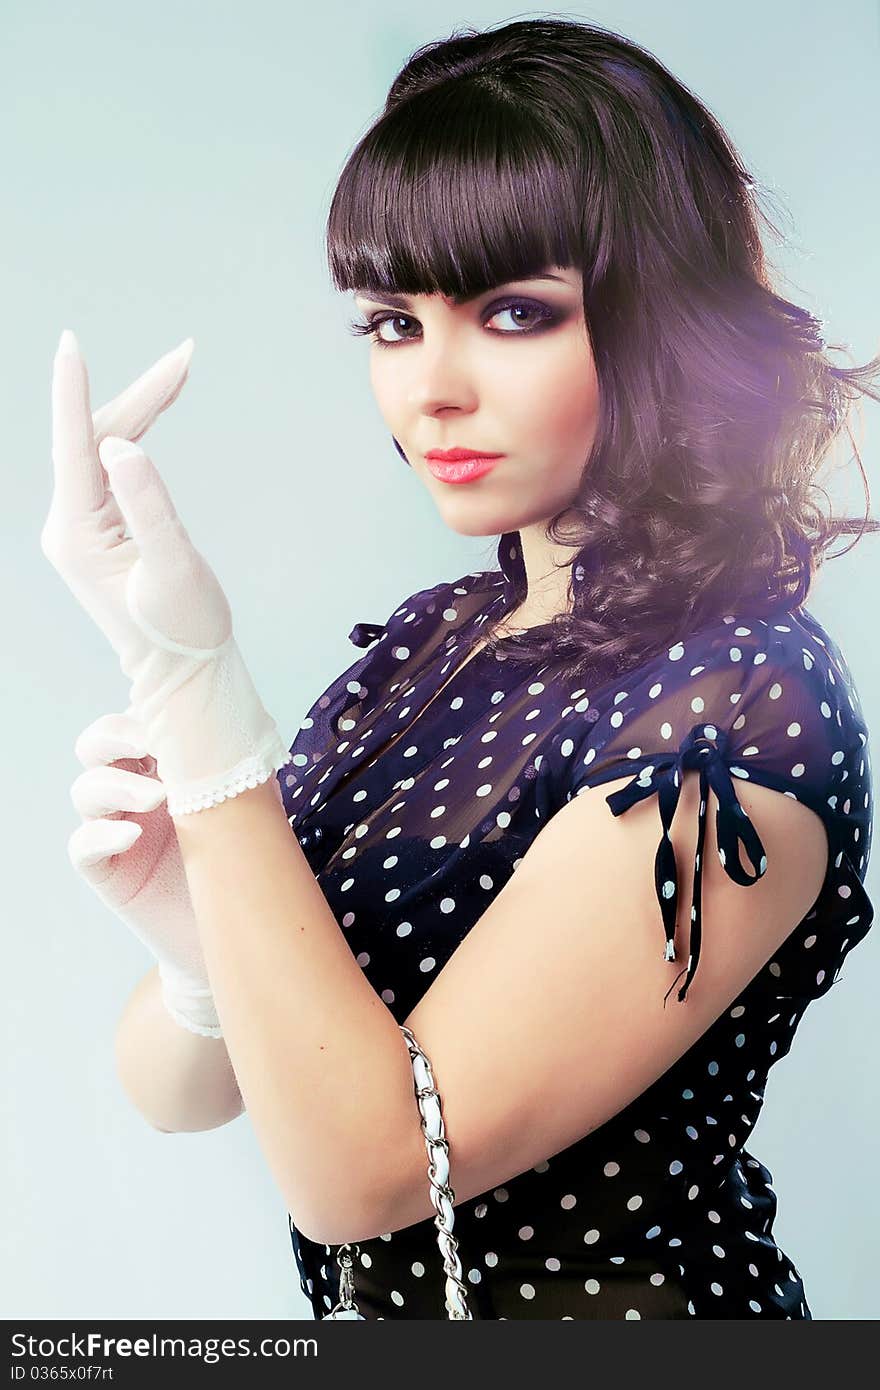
(554, 142)
(447, 196)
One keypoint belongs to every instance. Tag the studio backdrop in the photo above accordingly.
(168, 172)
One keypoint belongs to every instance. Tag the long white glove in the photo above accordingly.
(126, 849)
(95, 848)
(159, 603)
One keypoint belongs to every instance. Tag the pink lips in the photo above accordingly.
(464, 472)
(460, 452)
(460, 466)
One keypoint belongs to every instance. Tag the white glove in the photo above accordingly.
(159, 603)
(126, 849)
(92, 847)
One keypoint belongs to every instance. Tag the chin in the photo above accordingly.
(467, 522)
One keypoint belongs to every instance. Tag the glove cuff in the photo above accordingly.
(207, 727)
(190, 1006)
(251, 772)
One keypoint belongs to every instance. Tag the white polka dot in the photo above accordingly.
(473, 773)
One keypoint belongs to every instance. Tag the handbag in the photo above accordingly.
(442, 1196)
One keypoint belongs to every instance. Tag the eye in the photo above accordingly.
(542, 313)
(373, 325)
(518, 306)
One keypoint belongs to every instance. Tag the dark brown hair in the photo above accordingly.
(551, 141)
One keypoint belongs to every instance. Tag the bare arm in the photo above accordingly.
(178, 1080)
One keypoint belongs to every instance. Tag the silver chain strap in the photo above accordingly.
(442, 1196)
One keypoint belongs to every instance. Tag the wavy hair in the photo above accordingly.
(552, 141)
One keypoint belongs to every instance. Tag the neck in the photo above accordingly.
(548, 570)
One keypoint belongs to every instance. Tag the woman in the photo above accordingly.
(556, 253)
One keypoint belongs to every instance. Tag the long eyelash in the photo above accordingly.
(361, 329)
(371, 328)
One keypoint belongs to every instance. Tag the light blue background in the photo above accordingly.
(167, 171)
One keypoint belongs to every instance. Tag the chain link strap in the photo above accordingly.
(442, 1196)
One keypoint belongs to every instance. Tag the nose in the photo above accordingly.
(442, 379)
(439, 391)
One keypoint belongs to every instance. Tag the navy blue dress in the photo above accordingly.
(662, 1212)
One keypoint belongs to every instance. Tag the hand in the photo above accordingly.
(84, 517)
(126, 849)
(158, 602)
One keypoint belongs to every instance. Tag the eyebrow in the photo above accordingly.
(402, 301)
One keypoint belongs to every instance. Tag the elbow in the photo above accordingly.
(366, 1190)
(341, 1217)
(371, 1204)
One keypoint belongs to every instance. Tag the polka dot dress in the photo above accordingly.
(414, 812)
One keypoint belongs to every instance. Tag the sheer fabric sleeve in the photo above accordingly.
(755, 701)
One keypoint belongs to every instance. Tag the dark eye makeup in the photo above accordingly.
(546, 317)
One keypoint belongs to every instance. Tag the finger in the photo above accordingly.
(93, 844)
(100, 791)
(79, 483)
(144, 500)
(108, 738)
(130, 414)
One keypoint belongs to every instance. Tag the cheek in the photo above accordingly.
(576, 398)
(382, 385)
(377, 386)
(556, 394)
(564, 411)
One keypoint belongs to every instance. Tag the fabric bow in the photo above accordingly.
(733, 827)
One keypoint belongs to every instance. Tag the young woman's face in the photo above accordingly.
(510, 372)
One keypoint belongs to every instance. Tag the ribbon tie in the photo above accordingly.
(362, 634)
(732, 825)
